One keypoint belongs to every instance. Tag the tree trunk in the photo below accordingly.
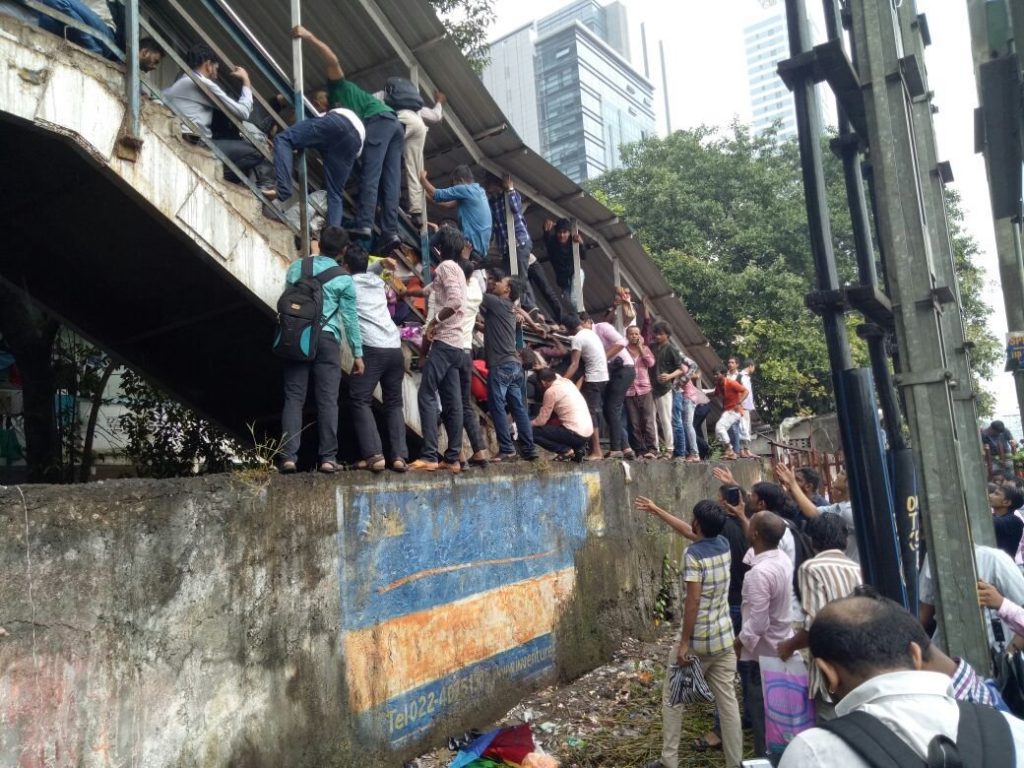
(29, 332)
(90, 428)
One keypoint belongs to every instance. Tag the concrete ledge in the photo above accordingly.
(311, 621)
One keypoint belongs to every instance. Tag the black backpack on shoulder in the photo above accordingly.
(803, 551)
(300, 313)
(400, 93)
(983, 740)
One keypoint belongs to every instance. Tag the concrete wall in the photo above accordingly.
(311, 621)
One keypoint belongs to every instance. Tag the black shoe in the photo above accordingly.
(579, 455)
(531, 456)
(389, 245)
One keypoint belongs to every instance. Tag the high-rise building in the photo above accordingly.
(567, 86)
(766, 42)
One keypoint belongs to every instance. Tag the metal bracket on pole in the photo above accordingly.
(921, 378)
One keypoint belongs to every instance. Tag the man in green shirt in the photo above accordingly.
(381, 174)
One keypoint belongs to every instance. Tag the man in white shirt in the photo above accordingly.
(994, 567)
(384, 364)
(587, 346)
(189, 99)
(867, 652)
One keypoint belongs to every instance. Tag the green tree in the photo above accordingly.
(467, 22)
(723, 215)
(166, 439)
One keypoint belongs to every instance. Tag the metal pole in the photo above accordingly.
(510, 234)
(848, 147)
(297, 88)
(577, 275)
(664, 87)
(925, 378)
(868, 488)
(131, 65)
(1011, 269)
(965, 411)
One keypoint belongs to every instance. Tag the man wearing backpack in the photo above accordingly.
(890, 713)
(315, 347)
(404, 97)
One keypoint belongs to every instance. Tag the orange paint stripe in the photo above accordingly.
(406, 652)
(458, 567)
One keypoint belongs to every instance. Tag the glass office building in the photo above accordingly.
(587, 99)
(767, 43)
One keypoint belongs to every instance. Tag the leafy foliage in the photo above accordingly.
(987, 353)
(467, 22)
(723, 215)
(167, 439)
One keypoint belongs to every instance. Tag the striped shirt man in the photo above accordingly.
(707, 562)
(828, 576)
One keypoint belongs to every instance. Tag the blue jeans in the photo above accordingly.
(338, 142)
(734, 437)
(441, 379)
(78, 11)
(688, 409)
(678, 433)
(381, 175)
(505, 386)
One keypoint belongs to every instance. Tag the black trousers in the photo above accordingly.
(386, 366)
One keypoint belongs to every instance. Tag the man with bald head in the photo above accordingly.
(766, 613)
(869, 654)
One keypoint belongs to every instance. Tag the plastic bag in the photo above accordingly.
(787, 710)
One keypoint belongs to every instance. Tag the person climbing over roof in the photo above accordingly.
(381, 175)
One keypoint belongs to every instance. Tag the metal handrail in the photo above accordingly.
(198, 132)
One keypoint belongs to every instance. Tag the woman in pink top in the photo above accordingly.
(639, 401)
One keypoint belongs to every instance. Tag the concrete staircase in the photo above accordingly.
(154, 257)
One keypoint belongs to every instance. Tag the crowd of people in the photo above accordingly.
(773, 570)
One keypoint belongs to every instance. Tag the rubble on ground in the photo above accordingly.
(609, 718)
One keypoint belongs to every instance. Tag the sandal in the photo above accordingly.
(479, 459)
(399, 465)
(701, 744)
(327, 467)
(374, 464)
(287, 467)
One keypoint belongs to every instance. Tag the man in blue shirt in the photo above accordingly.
(339, 308)
(474, 212)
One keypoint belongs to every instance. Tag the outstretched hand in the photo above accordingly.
(785, 475)
(644, 504)
(724, 475)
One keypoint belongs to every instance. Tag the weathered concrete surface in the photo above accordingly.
(312, 621)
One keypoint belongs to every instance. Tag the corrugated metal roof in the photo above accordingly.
(375, 39)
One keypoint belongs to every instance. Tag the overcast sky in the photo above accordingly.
(707, 84)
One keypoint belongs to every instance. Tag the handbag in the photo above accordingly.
(1008, 664)
(687, 684)
(787, 708)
